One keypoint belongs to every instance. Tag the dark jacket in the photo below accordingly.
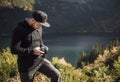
(24, 40)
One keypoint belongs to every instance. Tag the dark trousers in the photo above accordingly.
(46, 68)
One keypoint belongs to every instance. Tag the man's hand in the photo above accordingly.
(38, 52)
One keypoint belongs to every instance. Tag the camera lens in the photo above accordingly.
(42, 49)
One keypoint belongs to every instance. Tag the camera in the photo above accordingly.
(43, 49)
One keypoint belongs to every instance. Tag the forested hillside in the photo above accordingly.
(64, 16)
(82, 15)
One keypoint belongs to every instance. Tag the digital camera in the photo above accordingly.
(43, 49)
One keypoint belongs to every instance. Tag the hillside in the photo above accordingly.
(82, 15)
(65, 16)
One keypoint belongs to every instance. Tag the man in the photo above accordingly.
(28, 45)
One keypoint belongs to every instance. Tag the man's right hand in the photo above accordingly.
(38, 52)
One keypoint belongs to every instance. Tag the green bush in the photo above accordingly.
(68, 72)
(116, 72)
(87, 58)
(105, 65)
(8, 65)
(94, 72)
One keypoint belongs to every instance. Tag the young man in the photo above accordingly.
(28, 45)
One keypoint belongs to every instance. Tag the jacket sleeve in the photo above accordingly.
(41, 40)
(42, 43)
(17, 36)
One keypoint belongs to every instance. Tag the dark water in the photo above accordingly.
(68, 46)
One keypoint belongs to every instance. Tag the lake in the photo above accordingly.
(68, 46)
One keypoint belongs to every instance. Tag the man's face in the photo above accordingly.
(36, 25)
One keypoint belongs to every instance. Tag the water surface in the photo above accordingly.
(69, 46)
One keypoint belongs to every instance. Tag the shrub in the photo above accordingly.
(87, 58)
(116, 72)
(106, 68)
(68, 72)
(8, 65)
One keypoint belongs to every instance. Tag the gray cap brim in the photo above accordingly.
(46, 24)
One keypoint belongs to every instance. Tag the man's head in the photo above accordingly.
(41, 17)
